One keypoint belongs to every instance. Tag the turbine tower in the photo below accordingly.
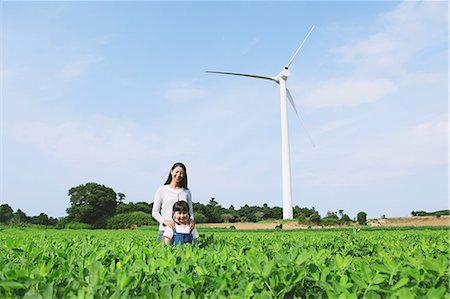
(281, 79)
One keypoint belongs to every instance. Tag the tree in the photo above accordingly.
(6, 213)
(43, 219)
(227, 217)
(92, 203)
(200, 218)
(362, 218)
(315, 218)
(259, 216)
(331, 215)
(133, 207)
(213, 211)
(213, 202)
(19, 218)
(345, 218)
(303, 213)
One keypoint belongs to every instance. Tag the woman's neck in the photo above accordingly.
(174, 185)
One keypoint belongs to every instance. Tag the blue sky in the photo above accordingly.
(116, 92)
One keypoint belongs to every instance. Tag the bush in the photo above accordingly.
(77, 225)
(129, 220)
(200, 218)
(330, 221)
(345, 219)
(315, 218)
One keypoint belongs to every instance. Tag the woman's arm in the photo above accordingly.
(189, 201)
(191, 210)
(157, 202)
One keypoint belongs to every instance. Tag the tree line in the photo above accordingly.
(97, 206)
(437, 213)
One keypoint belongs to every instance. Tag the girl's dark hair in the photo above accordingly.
(184, 182)
(180, 206)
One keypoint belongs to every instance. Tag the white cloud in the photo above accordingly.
(99, 139)
(404, 32)
(77, 67)
(402, 153)
(346, 92)
(184, 92)
(385, 61)
(335, 125)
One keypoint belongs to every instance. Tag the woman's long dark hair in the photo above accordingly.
(184, 182)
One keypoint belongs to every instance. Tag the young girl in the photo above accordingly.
(182, 233)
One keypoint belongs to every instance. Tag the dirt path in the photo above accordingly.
(407, 221)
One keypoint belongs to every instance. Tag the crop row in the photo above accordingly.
(278, 264)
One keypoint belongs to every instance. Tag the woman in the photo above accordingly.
(173, 190)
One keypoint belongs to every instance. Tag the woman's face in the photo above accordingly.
(178, 174)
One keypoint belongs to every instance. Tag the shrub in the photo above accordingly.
(329, 221)
(148, 227)
(315, 218)
(129, 220)
(345, 219)
(200, 218)
(77, 225)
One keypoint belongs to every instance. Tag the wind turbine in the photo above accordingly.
(281, 79)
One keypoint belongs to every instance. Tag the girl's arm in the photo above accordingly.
(168, 235)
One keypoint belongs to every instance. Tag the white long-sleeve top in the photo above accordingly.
(165, 197)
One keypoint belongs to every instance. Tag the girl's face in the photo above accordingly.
(181, 217)
(178, 174)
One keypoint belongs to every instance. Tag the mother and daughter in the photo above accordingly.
(172, 208)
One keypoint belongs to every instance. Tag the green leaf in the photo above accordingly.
(372, 295)
(176, 291)
(406, 293)
(324, 274)
(8, 284)
(166, 292)
(339, 261)
(248, 292)
(267, 269)
(436, 293)
(359, 281)
(32, 294)
(403, 281)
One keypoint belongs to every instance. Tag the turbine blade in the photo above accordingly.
(244, 75)
(296, 52)
(291, 100)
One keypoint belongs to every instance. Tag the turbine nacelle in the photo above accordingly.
(284, 74)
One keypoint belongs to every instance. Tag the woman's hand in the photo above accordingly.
(169, 223)
(191, 224)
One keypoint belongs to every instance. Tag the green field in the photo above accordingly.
(38, 263)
